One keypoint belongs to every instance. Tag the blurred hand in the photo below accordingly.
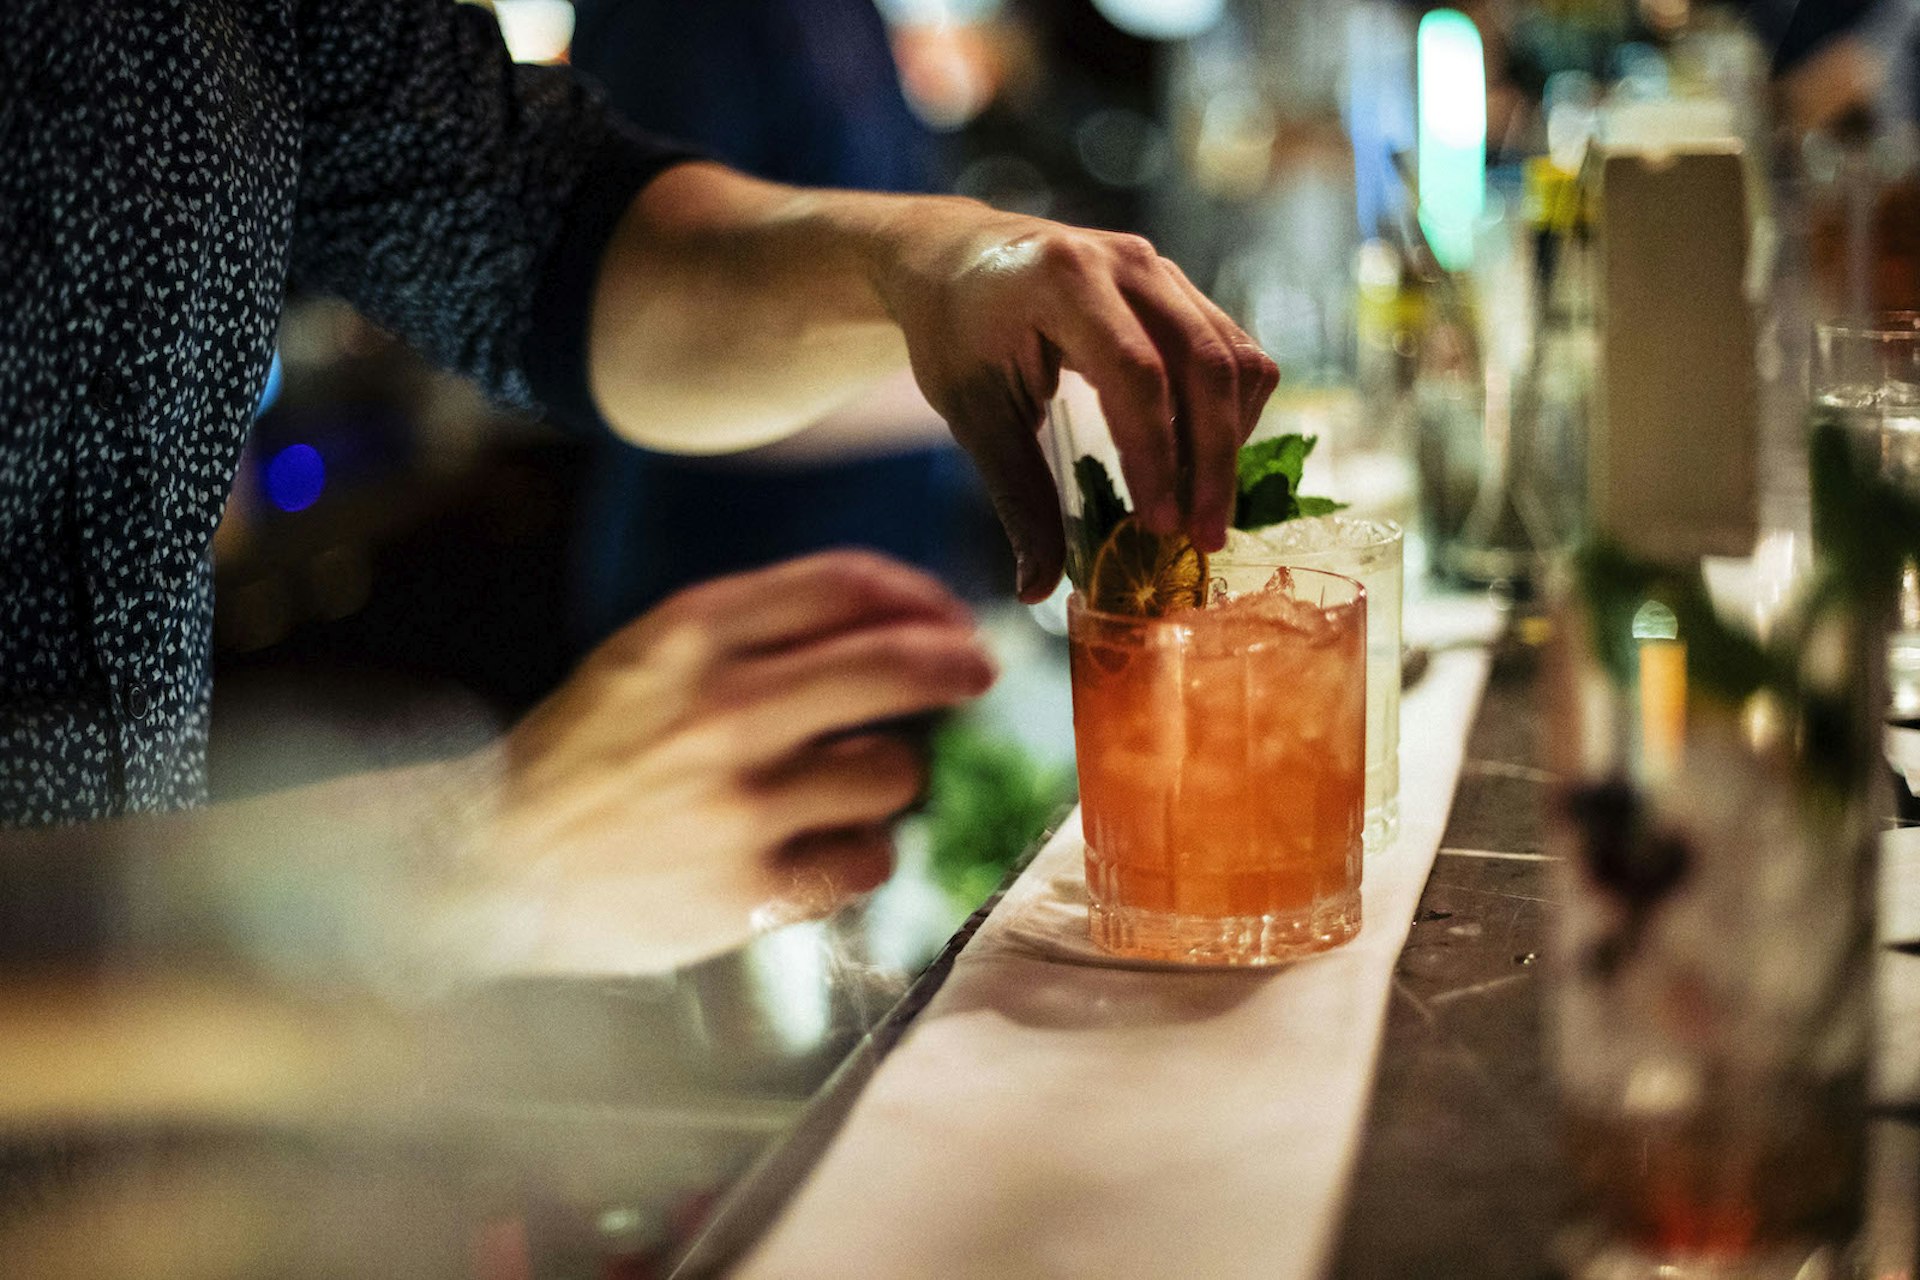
(993, 305)
(713, 769)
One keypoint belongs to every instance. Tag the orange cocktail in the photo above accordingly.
(1222, 755)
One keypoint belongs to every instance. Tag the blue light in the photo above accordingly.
(271, 392)
(295, 477)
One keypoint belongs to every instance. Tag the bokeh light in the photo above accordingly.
(1162, 19)
(295, 477)
(276, 378)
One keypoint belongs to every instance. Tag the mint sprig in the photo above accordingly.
(1268, 474)
(1267, 478)
(1100, 510)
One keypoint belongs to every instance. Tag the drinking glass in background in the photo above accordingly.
(1866, 381)
(1222, 756)
(1718, 830)
(1712, 976)
(1371, 553)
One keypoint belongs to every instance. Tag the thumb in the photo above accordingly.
(1017, 481)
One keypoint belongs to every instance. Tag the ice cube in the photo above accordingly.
(1294, 537)
(1323, 533)
(1243, 545)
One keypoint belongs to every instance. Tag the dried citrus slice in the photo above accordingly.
(1145, 574)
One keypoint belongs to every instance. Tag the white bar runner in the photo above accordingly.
(1043, 1118)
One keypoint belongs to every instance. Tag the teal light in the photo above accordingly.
(1453, 134)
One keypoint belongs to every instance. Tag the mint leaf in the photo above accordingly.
(1307, 508)
(1100, 510)
(1268, 501)
(1100, 505)
(1269, 483)
(1282, 455)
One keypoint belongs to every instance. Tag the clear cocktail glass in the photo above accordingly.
(1222, 757)
(1370, 552)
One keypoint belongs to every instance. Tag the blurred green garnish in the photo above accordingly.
(988, 800)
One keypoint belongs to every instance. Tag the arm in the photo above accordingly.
(730, 311)
(488, 213)
(711, 770)
(891, 417)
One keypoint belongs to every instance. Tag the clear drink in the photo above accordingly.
(1222, 768)
(1370, 552)
(1714, 956)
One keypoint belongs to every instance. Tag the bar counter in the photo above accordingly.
(1056, 1119)
(831, 1102)
(1054, 1113)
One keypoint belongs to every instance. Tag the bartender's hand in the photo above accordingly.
(709, 770)
(993, 305)
(729, 312)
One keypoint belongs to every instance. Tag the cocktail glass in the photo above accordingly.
(1717, 830)
(1222, 757)
(1370, 552)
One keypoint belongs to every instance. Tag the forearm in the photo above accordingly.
(890, 417)
(731, 312)
(336, 882)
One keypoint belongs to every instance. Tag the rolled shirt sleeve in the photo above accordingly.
(456, 198)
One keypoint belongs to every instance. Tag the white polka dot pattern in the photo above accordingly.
(168, 168)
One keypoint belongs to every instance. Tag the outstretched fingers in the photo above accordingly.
(769, 708)
(859, 781)
(1180, 383)
(1207, 416)
(799, 601)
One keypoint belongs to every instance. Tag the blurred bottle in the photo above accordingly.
(1717, 825)
(1862, 187)
(1532, 472)
(1448, 405)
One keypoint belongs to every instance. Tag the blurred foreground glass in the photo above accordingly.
(1866, 382)
(1370, 552)
(1715, 947)
(1222, 757)
(1718, 828)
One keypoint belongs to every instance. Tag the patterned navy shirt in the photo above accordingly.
(168, 169)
